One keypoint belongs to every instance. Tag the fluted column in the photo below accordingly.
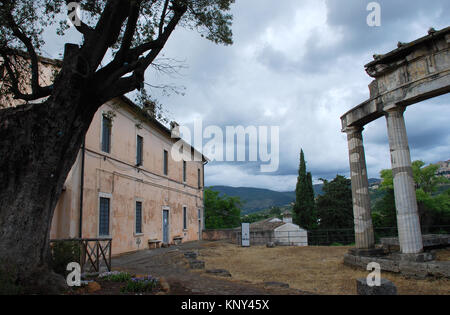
(364, 237)
(409, 233)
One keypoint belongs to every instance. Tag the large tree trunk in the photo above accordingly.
(38, 146)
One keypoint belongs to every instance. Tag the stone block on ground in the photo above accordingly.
(197, 264)
(93, 287)
(219, 272)
(386, 288)
(190, 255)
(276, 284)
(164, 284)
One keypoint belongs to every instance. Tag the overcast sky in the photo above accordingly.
(299, 65)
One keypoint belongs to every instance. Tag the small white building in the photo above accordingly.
(281, 232)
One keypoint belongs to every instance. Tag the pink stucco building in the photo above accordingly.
(126, 184)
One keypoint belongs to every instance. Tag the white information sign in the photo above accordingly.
(246, 234)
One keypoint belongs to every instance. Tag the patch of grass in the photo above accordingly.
(316, 269)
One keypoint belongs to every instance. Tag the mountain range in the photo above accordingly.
(257, 199)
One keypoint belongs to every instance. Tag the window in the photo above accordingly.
(184, 218)
(138, 217)
(139, 150)
(184, 171)
(199, 213)
(104, 217)
(106, 135)
(198, 179)
(166, 162)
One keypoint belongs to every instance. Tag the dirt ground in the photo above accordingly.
(313, 269)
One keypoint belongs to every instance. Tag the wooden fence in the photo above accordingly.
(93, 251)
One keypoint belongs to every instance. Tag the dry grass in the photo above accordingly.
(314, 269)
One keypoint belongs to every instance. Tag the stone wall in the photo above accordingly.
(219, 235)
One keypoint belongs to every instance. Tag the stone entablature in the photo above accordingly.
(412, 73)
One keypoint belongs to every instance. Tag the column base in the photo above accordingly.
(419, 257)
(369, 252)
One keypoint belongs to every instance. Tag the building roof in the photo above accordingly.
(154, 122)
(266, 225)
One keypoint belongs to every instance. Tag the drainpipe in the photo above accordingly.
(203, 200)
(83, 153)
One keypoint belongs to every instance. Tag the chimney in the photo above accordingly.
(150, 108)
(175, 129)
(287, 217)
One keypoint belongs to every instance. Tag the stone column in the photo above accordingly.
(364, 237)
(409, 233)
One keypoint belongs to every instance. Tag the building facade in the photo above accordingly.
(126, 184)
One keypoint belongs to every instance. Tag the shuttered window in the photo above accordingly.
(184, 171)
(166, 161)
(184, 218)
(106, 135)
(198, 179)
(138, 217)
(104, 217)
(139, 150)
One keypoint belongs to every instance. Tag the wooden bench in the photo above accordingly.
(154, 243)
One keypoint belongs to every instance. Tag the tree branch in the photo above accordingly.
(30, 49)
(115, 85)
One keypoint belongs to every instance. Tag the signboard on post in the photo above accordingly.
(245, 234)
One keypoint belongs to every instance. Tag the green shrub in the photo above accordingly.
(140, 285)
(63, 253)
(115, 276)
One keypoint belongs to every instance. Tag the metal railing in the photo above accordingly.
(325, 237)
(347, 236)
(282, 238)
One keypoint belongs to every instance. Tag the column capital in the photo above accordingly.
(353, 129)
(394, 109)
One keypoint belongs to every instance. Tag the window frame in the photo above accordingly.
(99, 225)
(165, 163)
(140, 202)
(139, 150)
(109, 129)
(185, 220)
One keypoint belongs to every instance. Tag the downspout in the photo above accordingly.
(83, 153)
(203, 199)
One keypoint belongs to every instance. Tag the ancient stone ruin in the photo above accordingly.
(411, 73)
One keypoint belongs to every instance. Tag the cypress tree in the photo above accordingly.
(304, 202)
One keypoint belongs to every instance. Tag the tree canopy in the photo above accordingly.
(334, 207)
(134, 31)
(221, 212)
(434, 208)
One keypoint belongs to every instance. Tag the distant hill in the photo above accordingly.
(257, 199)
